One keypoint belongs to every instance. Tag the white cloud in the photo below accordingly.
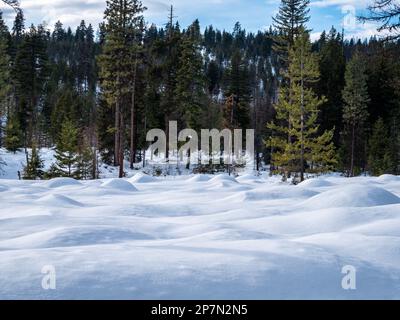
(221, 13)
(362, 4)
(71, 12)
(364, 31)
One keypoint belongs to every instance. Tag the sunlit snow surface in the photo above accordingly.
(200, 237)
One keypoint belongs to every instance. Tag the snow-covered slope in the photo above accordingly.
(200, 237)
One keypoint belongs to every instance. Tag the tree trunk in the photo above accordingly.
(121, 147)
(133, 120)
(352, 152)
(116, 134)
(167, 136)
(302, 122)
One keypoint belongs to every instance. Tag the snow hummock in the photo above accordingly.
(119, 184)
(62, 182)
(353, 196)
(248, 178)
(199, 178)
(281, 192)
(223, 178)
(3, 188)
(58, 200)
(142, 178)
(389, 178)
(315, 183)
(228, 238)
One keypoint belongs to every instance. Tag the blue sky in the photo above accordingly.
(252, 14)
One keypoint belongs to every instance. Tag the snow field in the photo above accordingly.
(200, 237)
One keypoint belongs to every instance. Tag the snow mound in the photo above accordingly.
(276, 194)
(389, 178)
(142, 178)
(59, 201)
(63, 237)
(221, 185)
(79, 236)
(199, 178)
(248, 178)
(62, 182)
(223, 178)
(352, 196)
(315, 183)
(3, 188)
(119, 184)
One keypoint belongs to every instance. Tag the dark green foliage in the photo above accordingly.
(118, 69)
(115, 85)
(238, 93)
(5, 63)
(355, 114)
(291, 18)
(86, 164)
(13, 140)
(34, 168)
(30, 73)
(189, 91)
(381, 158)
(67, 151)
(332, 67)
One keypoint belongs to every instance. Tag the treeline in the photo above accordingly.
(84, 91)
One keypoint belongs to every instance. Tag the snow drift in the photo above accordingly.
(119, 184)
(142, 178)
(62, 182)
(352, 196)
(244, 238)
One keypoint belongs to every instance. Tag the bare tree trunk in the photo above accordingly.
(116, 134)
(121, 147)
(167, 136)
(352, 151)
(133, 120)
(290, 162)
(302, 122)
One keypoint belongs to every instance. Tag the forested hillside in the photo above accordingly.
(333, 104)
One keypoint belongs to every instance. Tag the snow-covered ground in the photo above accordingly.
(200, 237)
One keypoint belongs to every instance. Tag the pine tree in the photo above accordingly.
(380, 156)
(169, 68)
(136, 56)
(189, 92)
(123, 18)
(237, 93)
(30, 73)
(34, 168)
(18, 28)
(105, 131)
(355, 112)
(305, 149)
(86, 166)
(13, 140)
(332, 66)
(289, 22)
(5, 65)
(67, 151)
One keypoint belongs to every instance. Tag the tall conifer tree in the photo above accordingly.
(355, 112)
